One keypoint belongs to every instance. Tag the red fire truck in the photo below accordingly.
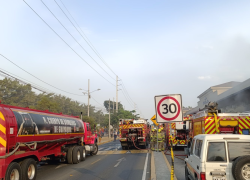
(28, 136)
(179, 132)
(134, 133)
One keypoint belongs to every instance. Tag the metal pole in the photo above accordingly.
(113, 105)
(88, 97)
(116, 94)
(157, 138)
(109, 118)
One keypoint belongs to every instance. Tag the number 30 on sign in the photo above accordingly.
(168, 108)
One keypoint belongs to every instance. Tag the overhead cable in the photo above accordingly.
(87, 41)
(66, 42)
(38, 78)
(75, 38)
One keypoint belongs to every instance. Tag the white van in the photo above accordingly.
(218, 157)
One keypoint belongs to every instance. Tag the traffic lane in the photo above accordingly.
(54, 171)
(179, 164)
(114, 145)
(114, 167)
(104, 166)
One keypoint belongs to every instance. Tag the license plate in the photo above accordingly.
(219, 178)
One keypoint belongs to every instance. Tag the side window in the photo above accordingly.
(236, 149)
(198, 147)
(192, 147)
(216, 152)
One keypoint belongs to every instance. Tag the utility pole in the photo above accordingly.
(116, 94)
(88, 97)
(113, 105)
(109, 118)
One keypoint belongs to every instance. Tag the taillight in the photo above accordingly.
(202, 176)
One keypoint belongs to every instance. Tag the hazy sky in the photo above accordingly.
(155, 47)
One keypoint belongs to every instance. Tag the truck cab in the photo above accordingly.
(90, 140)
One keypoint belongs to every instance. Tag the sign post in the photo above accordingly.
(168, 109)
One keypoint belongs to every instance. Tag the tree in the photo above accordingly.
(106, 105)
(90, 120)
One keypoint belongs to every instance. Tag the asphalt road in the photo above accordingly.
(111, 163)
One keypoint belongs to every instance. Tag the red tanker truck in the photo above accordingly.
(28, 136)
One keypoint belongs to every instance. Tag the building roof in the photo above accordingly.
(228, 84)
(224, 85)
(234, 90)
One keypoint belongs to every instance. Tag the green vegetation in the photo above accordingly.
(12, 92)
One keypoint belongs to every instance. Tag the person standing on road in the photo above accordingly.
(154, 139)
(99, 137)
(152, 144)
(159, 140)
(163, 139)
(115, 135)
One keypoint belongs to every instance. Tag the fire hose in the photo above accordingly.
(176, 155)
(137, 147)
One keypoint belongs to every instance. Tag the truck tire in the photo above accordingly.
(29, 169)
(123, 147)
(240, 168)
(13, 170)
(83, 153)
(95, 150)
(76, 156)
(69, 155)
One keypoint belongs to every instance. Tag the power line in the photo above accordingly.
(75, 38)
(89, 43)
(65, 42)
(127, 99)
(127, 92)
(37, 87)
(37, 77)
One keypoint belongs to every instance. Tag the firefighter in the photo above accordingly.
(152, 140)
(160, 143)
(163, 139)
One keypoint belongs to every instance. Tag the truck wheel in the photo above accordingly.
(95, 150)
(13, 171)
(241, 168)
(29, 169)
(76, 157)
(186, 173)
(69, 155)
(123, 147)
(83, 153)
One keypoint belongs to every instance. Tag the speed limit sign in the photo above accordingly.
(168, 108)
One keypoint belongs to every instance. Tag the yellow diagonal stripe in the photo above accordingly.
(3, 142)
(1, 116)
(2, 128)
(212, 126)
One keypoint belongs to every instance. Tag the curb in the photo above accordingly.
(104, 142)
(168, 165)
(153, 175)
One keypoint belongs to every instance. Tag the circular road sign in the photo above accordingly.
(168, 108)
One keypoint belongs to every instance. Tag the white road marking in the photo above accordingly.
(145, 168)
(61, 166)
(108, 148)
(119, 161)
